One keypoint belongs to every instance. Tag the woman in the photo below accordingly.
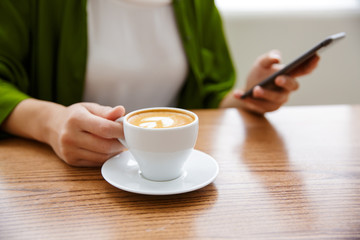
(59, 57)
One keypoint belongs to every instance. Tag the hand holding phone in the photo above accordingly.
(269, 83)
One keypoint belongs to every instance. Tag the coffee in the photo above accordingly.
(160, 119)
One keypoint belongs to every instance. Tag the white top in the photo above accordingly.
(135, 54)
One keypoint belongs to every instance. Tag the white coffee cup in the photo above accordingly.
(160, 152)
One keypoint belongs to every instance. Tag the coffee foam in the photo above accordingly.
(160, 119)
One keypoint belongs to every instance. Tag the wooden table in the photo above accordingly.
(294, 174)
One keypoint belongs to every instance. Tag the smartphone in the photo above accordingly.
(269, 83)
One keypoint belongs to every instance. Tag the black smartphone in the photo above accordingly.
(269, 83)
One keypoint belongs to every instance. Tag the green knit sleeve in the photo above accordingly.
(9, 98)
(14, 40)
(211, 71)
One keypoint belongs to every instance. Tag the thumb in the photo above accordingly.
(115, 113)
(105, 111)
(270, 58)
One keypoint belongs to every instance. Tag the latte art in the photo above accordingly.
(160, 119)
(156, 122)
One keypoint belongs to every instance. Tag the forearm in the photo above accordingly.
(31, 118)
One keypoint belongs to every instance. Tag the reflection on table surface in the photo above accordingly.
(294, 173)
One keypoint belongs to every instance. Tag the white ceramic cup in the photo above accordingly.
(160, 152)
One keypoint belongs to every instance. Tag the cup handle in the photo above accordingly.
(123, 141)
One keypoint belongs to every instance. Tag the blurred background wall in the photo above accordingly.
(257, 26)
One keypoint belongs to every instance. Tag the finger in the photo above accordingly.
(287, 82)
(72, 140)
(307, 67)
(105, 111)
(255, 105)
(99, 145)
(100, 126)
(237, 93)
(275, 97)
(249, 103)
(115, 113)
(272, 57)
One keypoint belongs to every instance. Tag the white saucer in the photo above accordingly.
(122, 172)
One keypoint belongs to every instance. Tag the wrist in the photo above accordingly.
(48, 121)
(34, 119)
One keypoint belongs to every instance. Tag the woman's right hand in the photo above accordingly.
(83, 134)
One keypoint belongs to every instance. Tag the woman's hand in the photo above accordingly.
(83, 134)
(265, 100)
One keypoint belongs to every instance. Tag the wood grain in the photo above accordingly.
(294, 174)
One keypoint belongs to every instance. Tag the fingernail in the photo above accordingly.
(258, 91)
(275, 54)
(238, 93)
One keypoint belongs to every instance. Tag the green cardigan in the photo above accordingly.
(43, 51)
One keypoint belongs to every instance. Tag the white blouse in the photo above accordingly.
(135, 55)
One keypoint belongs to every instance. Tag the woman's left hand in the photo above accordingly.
(265, 100)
